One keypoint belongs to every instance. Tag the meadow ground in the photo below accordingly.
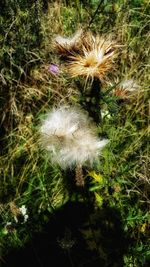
(116, 193)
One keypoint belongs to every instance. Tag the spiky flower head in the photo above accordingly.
(97, 58)
(68, 45)
(70, 137)
(126, 89)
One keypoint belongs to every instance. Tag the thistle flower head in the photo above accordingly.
(71, 139)
(97, 58)
(53, 69)
(66, 45)
(126, 89)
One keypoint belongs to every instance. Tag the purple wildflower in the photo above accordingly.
(53, 68)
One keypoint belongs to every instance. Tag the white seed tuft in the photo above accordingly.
(70, 136)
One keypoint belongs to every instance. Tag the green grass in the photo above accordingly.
(28, 92)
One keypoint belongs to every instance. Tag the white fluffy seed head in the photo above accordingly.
(127, 89)
(129, 85)
(69, 136)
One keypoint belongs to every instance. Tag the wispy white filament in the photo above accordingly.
(69, 40)
(69, 136)
(129, 85)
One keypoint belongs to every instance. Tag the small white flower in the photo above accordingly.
(23, 211)
(26, 217)
(71, 138)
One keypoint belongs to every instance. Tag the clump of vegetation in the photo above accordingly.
(34, 79)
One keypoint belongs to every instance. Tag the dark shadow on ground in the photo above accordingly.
(75, 236)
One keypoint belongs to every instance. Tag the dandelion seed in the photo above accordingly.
(97, 60)
(70, 137)
(65, 46)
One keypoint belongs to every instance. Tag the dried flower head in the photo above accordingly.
(126, 89)
(70, 137)
(14, 210)
(67, 45)
(97, 59)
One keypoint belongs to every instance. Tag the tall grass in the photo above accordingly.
(28, 91)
